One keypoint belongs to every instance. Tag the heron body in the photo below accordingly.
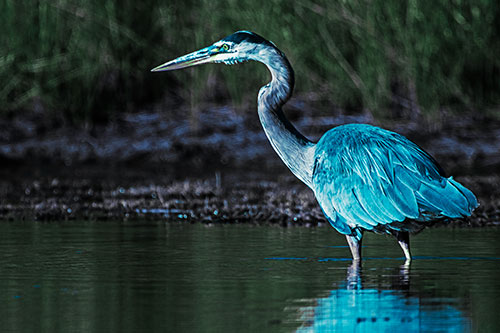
(364, 177)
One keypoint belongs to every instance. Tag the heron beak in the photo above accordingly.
(199, 57)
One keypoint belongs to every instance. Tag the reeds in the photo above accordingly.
(90, 59)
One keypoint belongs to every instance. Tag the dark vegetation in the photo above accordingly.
(83, 62)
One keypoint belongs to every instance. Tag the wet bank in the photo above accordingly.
(265, 196)
(221, 169)
(223, 137)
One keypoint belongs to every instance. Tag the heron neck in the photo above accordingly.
(296, 151)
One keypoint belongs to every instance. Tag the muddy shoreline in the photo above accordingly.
(222, 137)
(152, 165)
(224, 196)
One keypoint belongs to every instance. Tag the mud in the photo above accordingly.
(223, 137)
(110, 193)
(160, 165)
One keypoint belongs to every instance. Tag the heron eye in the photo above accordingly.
(225, 47)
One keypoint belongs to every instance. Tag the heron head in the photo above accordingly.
(238, 47)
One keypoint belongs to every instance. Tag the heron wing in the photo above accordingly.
(365, 176)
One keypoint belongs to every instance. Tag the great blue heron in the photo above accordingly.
(364, 177)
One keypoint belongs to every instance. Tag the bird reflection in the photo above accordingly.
(353, 308)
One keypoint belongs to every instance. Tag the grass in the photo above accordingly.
(88, 60)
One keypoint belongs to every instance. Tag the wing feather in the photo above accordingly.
(365, 177)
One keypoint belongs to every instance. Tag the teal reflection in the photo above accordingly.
(353, 308)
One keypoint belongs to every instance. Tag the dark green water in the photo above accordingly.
(125, 277)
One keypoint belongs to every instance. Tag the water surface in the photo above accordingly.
(129, 277)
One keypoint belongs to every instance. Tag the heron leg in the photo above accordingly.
(354, 275)
(355, 246)
(404, 241)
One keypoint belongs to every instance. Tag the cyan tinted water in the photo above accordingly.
(130, 277)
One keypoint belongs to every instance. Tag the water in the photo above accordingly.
(129, 277)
